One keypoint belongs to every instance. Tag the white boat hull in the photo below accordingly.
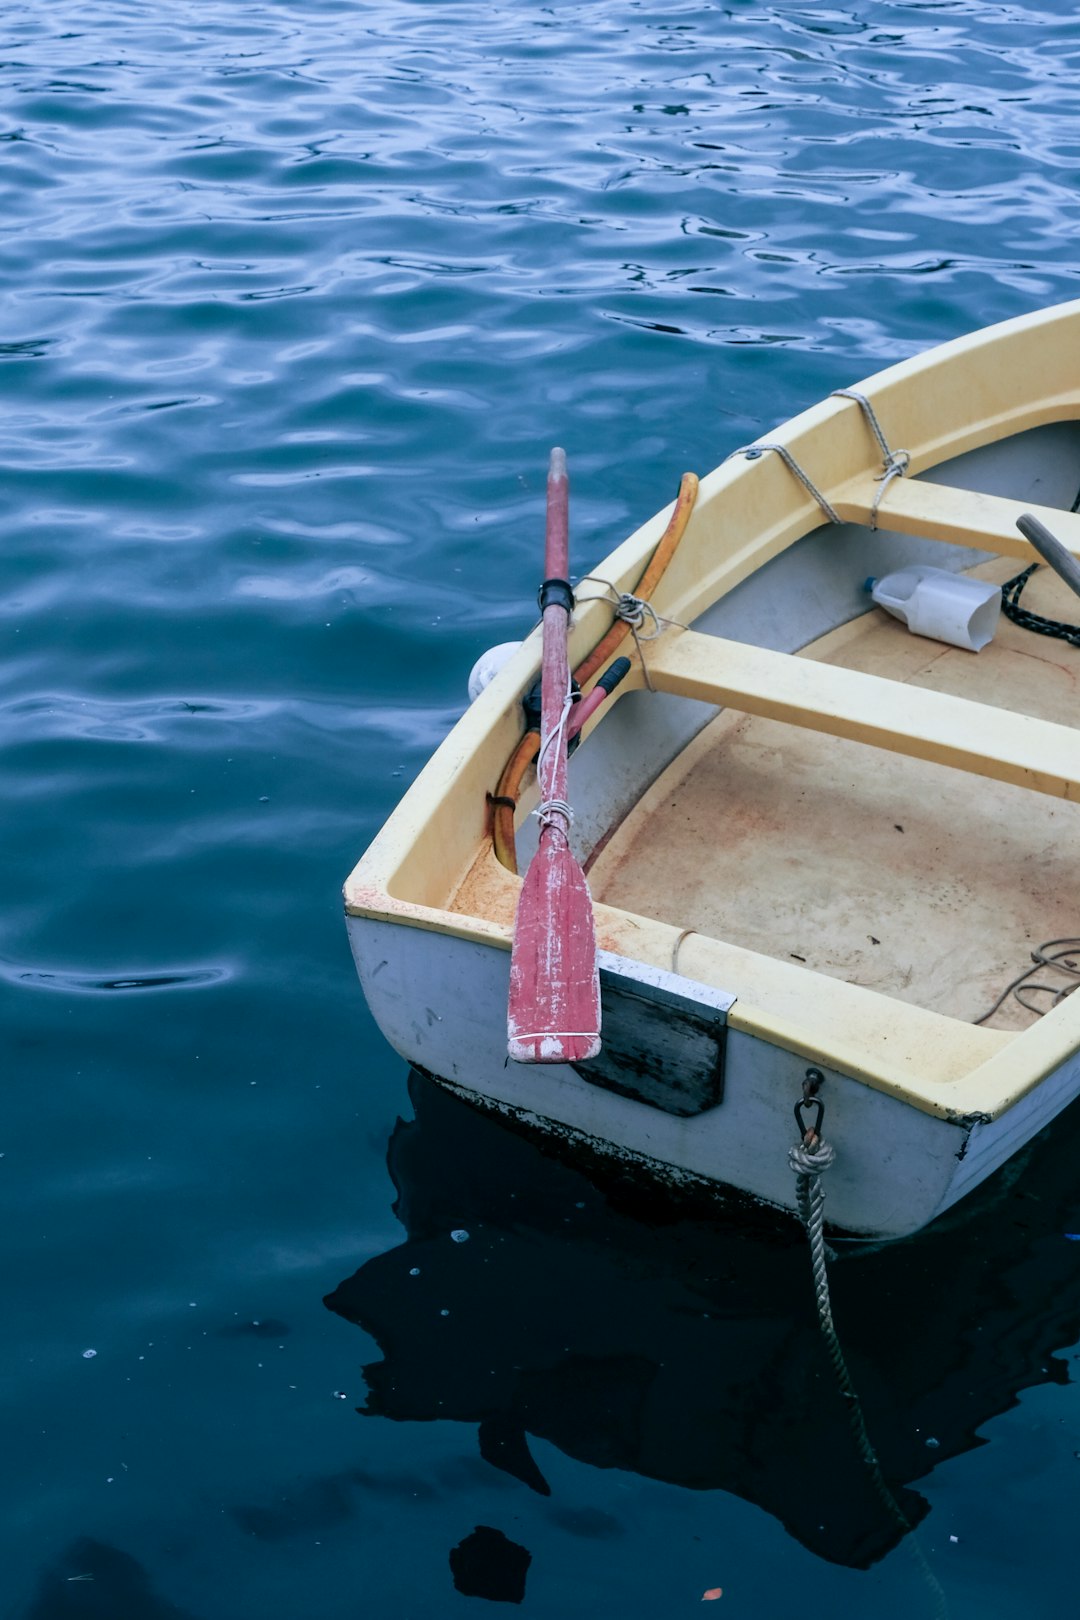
(438, 1001)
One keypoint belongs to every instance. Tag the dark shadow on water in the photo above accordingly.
(93, 1581)
(488, 1565)
(319, 1504)
(266, 1327)
(686, 1349)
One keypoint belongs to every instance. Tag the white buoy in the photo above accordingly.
(946, 607)
(488, 665)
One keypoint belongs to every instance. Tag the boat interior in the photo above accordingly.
(900, 873)
(796, 781)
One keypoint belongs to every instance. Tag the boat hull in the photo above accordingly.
(437, 1000)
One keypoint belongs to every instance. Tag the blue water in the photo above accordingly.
(294, 300)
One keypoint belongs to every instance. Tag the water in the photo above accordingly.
(294, 301)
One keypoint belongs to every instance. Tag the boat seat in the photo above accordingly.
(959, 517)
(975, 737)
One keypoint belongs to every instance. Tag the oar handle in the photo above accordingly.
(1050, 549)
(557, 543)
(600, 693)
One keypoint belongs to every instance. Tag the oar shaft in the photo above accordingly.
(555, 683)
(1050, 549)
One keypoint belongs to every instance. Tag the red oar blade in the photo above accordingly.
(554, 1010)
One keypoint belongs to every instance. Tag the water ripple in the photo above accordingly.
(90, 984)
(294, 298)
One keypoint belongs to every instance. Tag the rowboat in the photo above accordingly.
(819, 846)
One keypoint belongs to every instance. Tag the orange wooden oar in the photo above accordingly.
(554, 1010)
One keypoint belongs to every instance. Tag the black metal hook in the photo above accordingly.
(812, 1083)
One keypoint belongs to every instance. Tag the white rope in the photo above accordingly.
(869, 413)
(559, 1035)
(896, 462)
(1060, 961)
(896, 466)
(806, 1161)
(547, 812)
(556, 812)
(557, 735)
(633, 611)
(753, 451)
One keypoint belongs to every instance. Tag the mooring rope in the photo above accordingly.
(809, 1159)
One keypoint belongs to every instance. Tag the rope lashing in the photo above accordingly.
(634, 611)
(504, 799)
(547, 812)
(870, 414)
(753, 451)
(896, 462)
(556, 812)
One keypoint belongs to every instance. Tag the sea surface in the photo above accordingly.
(294, 300)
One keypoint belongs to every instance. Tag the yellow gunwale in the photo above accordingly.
(962, 395)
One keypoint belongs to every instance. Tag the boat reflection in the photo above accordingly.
(685, 1347)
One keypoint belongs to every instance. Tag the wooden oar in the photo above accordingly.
(1050, 549)
(554, 1010)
